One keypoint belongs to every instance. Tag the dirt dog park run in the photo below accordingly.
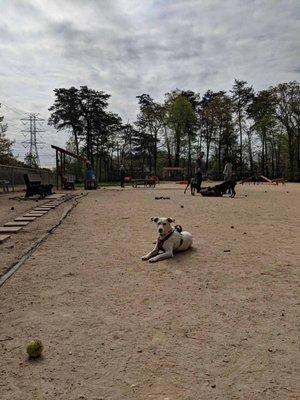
(219, 321)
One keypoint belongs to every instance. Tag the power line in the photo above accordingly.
(32, 143)
(13, 109)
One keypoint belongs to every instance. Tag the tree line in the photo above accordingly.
(259, 131)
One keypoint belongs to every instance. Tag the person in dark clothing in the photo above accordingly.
(122, 175)
(200, 170)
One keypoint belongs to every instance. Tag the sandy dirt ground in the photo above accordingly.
(11, 207)
(208, 324)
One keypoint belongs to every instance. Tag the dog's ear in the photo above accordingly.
(171, 219)
(154, 219)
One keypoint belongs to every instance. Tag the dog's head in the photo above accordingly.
(163, 225)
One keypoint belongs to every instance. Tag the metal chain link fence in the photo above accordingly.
(15, 176)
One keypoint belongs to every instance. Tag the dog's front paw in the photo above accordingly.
(144, 258)
(152, 260)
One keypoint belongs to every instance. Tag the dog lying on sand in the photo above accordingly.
(170, 239)
(220, 190)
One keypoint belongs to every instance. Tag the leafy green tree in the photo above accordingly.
(181, 118)
(106, 127)
(66, 113)
(151, 120)
(6, 156)
(224, 137)
(287, 112)
(262, 112)
(31, 161)
(209, 123)
(84, 111)
(92, 105)
(242, 95)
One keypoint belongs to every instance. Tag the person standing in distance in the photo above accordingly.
(122, 175)
(227, 170)
(200, 170)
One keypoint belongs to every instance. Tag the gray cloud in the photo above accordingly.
(129, 47)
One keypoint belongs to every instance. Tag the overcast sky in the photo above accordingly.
(130, 47)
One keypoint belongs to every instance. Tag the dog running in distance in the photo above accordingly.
(170, 240)
(192, 182)
(220, 190)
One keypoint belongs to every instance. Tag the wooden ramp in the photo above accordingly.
(15, 226)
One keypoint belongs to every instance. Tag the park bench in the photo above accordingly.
(68, 182)
(4, 184)
(34, 186)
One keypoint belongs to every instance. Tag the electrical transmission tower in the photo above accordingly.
(32, 157)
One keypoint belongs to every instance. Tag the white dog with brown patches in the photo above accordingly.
(170, 239)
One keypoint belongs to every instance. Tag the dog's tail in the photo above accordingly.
(178, 228)
(188, 184)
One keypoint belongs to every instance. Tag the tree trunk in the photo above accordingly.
(298, 155)
(219, 154)
(250, 153)
(149, 161)
(219, 161)
(291, 156)
(189, 156)
(168, 148)
(89, 145)
(241, 141)
(143, 162)
(207, 152)
(155, 153)
(100, 166)
(76, 140)
(277, 158)
(106, 167)
(177, 151)
(130, 150)
(263, 154)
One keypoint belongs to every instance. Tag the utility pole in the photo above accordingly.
(32, 157)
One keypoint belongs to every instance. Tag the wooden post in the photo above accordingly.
(57, 170)
(13, 179)
(61, 169)
(64, 166)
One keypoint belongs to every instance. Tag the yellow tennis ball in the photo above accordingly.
(35, 348)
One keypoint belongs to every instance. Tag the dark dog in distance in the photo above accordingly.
(220, 190)
(192, 182)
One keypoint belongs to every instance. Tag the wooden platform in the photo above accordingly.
(23, 219)
(34, 214)
(3, 238)
(17, 223)
(10, 229)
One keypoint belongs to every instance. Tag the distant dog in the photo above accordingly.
(170, 239)
(150, 183)
(278, 180)
(192, 182)
(220, 190)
